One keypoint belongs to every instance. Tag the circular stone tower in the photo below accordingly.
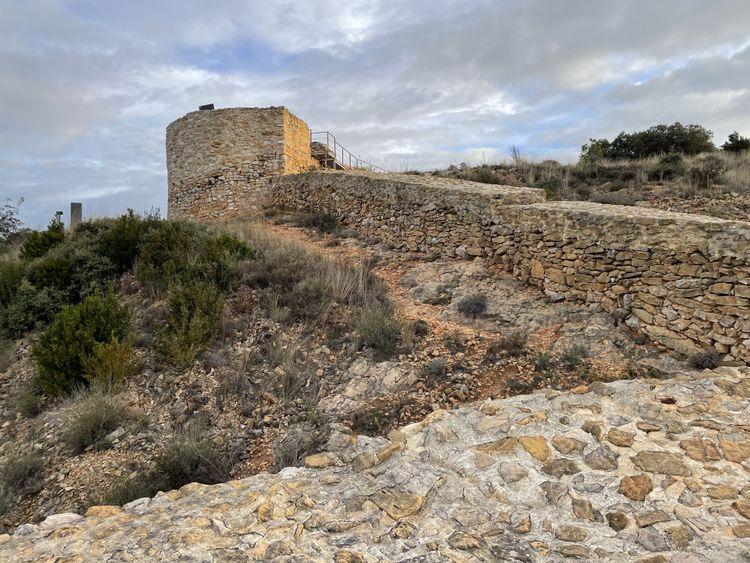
(218, 161)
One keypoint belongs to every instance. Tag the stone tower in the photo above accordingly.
(219, 161)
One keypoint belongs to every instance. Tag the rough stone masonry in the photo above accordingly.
(684, 280)
(218, 161)
(637, 470)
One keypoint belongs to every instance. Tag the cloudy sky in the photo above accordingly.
(87, 87)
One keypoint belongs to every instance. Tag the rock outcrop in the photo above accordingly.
(652, 470)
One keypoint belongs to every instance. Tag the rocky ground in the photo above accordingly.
(645, 470)
(520, 340)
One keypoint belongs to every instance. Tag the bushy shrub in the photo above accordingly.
(122, 241)
(514, 343)
(472, 306)
(574, 357)
(21, 473)
(485, 176)
(707, 171)
(38, 243)
(10, 224)
(307, 300)
(736, 143)
(70, 340)
(194, 314)
(29, 308)
(378, 329)
(181, 252)
(126, 491)
(7, 354)
(29, 400)
(543, 362)
(11, 274)
(321, 221)
(92, 417)
(710, 359)
(110, 363)
(669, 167)
(51, 271)
(191, 458)
(660, 139)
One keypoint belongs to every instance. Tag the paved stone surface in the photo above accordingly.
(496, 480)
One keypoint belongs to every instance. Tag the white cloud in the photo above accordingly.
(87, 87)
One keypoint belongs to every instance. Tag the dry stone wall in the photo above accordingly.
(413, 213)
(682, 279)
(218, 161)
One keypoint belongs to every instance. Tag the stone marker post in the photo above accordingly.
(76, 214)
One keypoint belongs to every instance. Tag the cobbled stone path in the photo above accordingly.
(643, 470)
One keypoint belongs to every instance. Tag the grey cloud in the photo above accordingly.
(87, 87)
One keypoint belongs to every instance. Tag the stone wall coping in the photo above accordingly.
(436, 183)
(641, 215)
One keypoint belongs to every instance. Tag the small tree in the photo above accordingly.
(736, 143)
(10, 224)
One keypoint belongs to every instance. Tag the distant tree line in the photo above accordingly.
(688, 139)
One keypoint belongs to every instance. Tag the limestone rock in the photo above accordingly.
(636, 487)
(664, 463)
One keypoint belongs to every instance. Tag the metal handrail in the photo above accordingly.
(334, 155)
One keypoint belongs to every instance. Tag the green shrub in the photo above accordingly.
(29, 400)
(92, 273)
(94, 415)
(51, 271)
(7, 354)
(670, 166)
(21, 473)
(163, 254)
(181, 252)
(472, 306)
(710, 359)
(378, 329)
(194, 315)
(70, 340)
(307, 300)
(191, 457)
(574, 357)
(11, 274)
(145, 485)
(39, 243)
(29, 308)
(708, 171)
(736, 143)
(543, 362)
(110, 363)
(321, 221)
(485, 176)
(122, 241)
(514, 343)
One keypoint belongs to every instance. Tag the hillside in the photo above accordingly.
(247, 348)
